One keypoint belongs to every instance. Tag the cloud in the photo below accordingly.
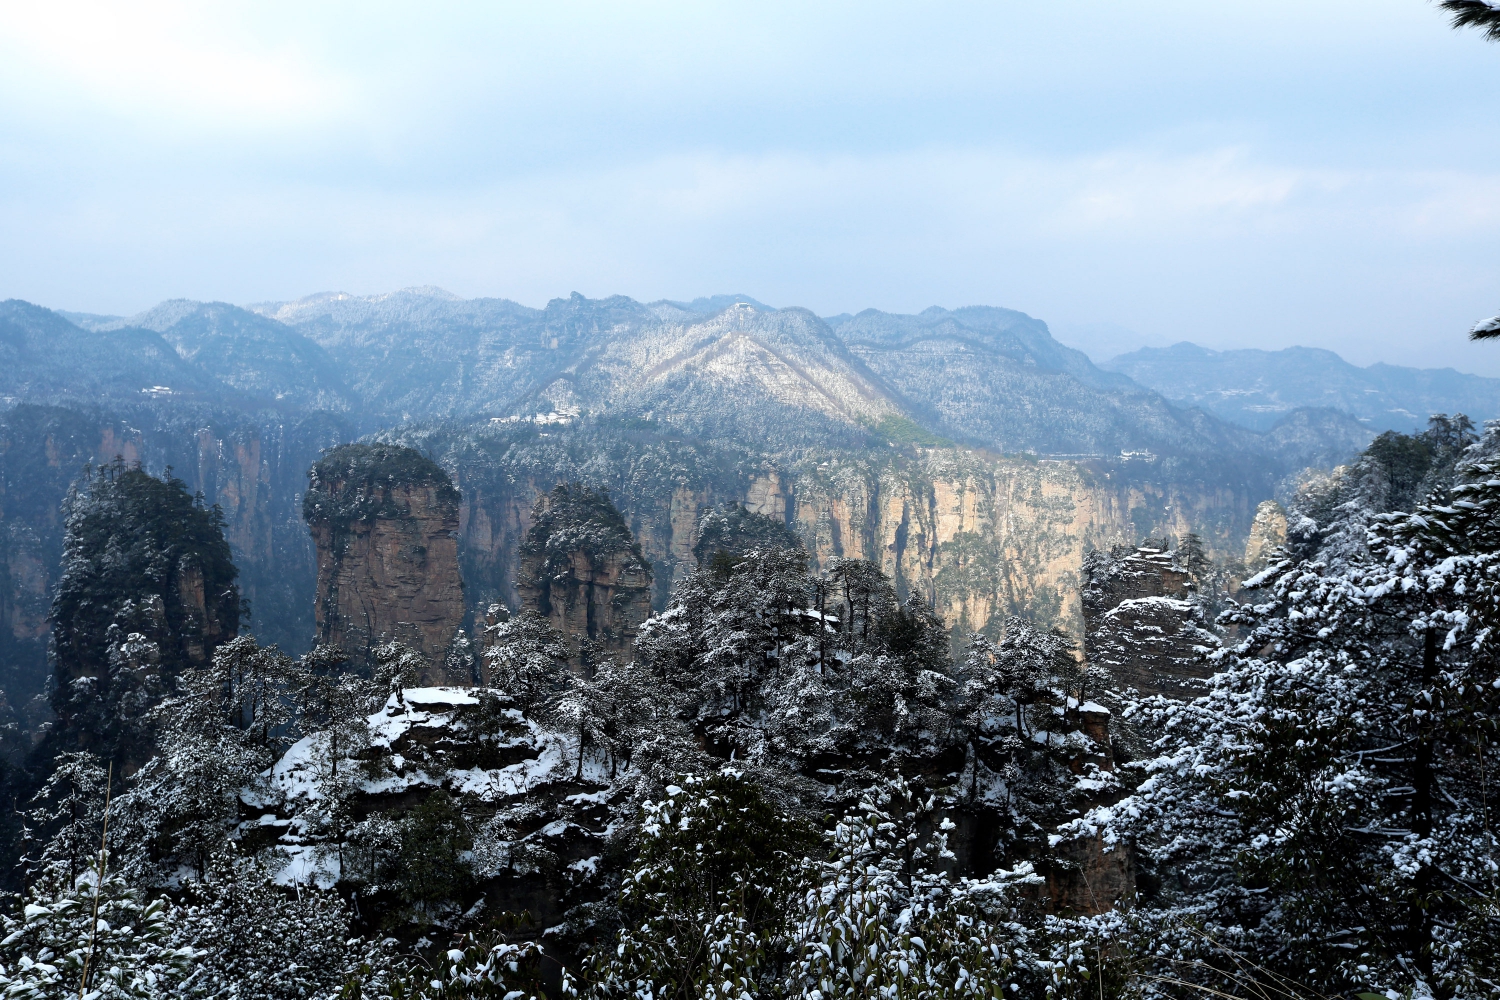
(160, 60)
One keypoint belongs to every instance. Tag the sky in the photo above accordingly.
(1135, 173)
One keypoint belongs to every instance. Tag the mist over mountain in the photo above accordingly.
(1257, 388)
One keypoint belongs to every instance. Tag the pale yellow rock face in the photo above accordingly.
(979, 536)
(1267, 534)
(975, 534)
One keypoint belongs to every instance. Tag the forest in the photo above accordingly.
(791, 780)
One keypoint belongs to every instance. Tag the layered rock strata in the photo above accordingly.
(385, 523)
(977, 536)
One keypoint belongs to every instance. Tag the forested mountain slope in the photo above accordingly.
(1256, 388)
(265, 360)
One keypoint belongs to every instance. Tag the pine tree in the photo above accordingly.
(704, 909)
(254, 939)
(93, 936)
(526, 658)
(65, 818)
(884, 918)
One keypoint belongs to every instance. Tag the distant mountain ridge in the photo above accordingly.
(1256, 388)
(722, 367)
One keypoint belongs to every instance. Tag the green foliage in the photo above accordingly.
(434, 837)
(357, 482)
(903, 430)
(474, 970)
(92, 937)
(704, 909)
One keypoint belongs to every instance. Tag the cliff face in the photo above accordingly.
(147, 591)
(581, 568)
(1267, 534)
(980, 536)
(385, 522)
(253, 468)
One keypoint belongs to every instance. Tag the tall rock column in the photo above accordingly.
(582, 569)
(147, 592)
(1142, 624)
(385, 522)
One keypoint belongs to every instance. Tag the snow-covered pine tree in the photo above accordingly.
(526, 658)
(883, 917)
(65, 819)
(254, 940)
(94, 937)
(705, 909)
(1324, 808)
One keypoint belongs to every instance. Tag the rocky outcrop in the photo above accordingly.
(253, 468)
(1267, 534)
(147, 591)
(1089, 877)
(1141, 625)
(538, 825)
(1127, 575)
(1154, 645)
(583, 571)
(385, 523)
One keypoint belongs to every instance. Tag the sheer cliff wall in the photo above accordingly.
(253, 466)
(978, 536)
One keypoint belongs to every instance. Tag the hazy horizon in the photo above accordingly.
(1234, 177)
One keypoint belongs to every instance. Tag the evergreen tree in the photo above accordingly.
(1485, 15)
(526, 658)
(65, 819)
(93, 936)
(704, 910)
(254, 939)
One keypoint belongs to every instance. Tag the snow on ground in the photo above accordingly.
(437, 696)
(295, 775)
(307, 865)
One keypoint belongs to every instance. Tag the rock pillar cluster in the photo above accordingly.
(385, 522)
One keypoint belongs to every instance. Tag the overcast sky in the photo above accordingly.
(1268, 174)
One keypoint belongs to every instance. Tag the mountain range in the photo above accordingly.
(967, 451)
(723, 367)
(1259, 388)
